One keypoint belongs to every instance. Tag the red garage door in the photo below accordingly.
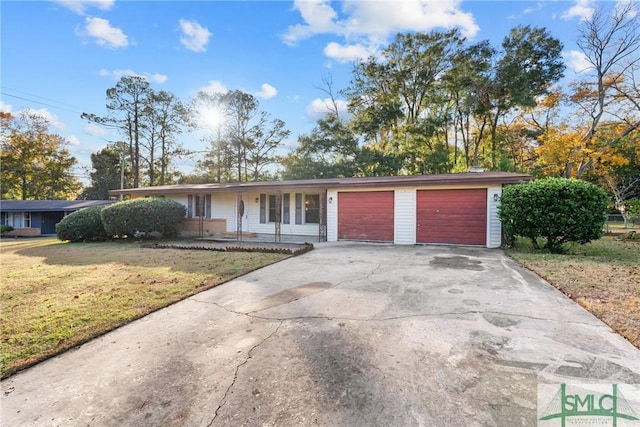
(366, 216)
(452, 216)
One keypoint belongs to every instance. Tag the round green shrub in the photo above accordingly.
(559, 210)
(4, 229)
(143, 216)
(82, 226)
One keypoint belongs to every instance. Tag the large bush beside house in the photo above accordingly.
(558, 210)
(84, 225)
(143, 216)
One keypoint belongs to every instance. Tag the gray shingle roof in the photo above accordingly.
(465, 178)
(49, 205)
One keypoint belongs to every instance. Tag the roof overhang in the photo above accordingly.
(458, 179)
(49, 205)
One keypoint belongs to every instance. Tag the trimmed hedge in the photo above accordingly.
(559, 210)
(4, 229)
(143, 216)
(82, 226)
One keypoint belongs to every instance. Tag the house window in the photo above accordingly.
(285, 208)
(197, 207)
(272, 208)
(312, 208)
(17, 219)
(298, 208)
(27, 220)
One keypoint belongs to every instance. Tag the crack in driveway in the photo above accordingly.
(391, 318)
(235, 375)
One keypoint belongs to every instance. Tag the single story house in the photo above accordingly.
(458, 209)
(39, 217)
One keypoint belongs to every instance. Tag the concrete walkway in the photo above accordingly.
(345, 335)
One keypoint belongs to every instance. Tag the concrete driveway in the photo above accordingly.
(345, 335)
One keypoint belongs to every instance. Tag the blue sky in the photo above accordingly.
(59, 57)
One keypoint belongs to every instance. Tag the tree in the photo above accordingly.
(245, 137)
(396, 101)
(241, 128)
(559, 210)
(166, 116)
(427, 89)
(149, 122)
(330, 150)
(530, 64)
(467, 84)
(36, 164)
(617, 169)
(210, 117)
(106, 173)
(610, 92)
(261, 151)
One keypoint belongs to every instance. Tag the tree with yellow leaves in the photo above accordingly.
(36, 164)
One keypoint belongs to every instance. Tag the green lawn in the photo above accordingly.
(57, 295)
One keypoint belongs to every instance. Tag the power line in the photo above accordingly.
(39, 102)
(61, 105)
(33, 95)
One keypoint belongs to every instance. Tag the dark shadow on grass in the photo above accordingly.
(179, 255)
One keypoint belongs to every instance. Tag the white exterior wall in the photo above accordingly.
(182, 199)
(252, 216)
(332, 216)
(223, 206)
(404, 217)
(494, 226)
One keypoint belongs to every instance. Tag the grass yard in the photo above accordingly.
(602, 276)
(57, 295)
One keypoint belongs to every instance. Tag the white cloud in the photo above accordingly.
(319, 18)
(105, 35)
(583, 9)
(387, 17)
(73, 140)
(532, 9)
(156, 77)
(366, 25)
(80, 6)
(194, 36)
(266, 91)
(347, 53)
(290, 144)
(576, 60)
(5, 108)
(320, 107)
(214, 86)
(118, 74)
(95, 130)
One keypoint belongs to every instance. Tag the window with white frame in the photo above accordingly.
(18, 219)
(311, 208)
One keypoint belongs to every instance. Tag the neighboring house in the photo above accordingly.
(438, 209)
(39, 217)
